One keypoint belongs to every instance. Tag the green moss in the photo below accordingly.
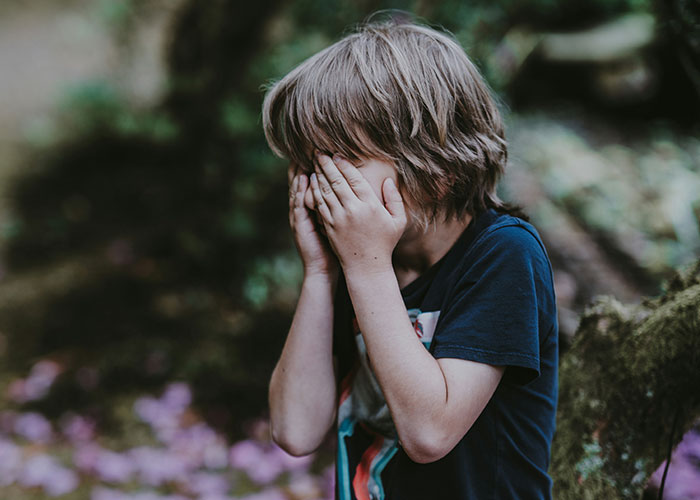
(629, 373)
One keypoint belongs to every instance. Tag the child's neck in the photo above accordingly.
(419, 250)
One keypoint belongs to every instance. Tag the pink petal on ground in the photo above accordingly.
(208, 483)
(61, 482)
(45, 471)
(156, 467)
(102, 493)
(86, 456)
(328, 477)
(246, 454)
(271, 494)
(290, 462)
(303, 485)
(114, 467)
(201, 446)
(10, 462)
(7, 421)
(77, 428)
(33, 427)
(177, 396)
(40, 379)
(163, 420)
(683, 478)
(265, 471)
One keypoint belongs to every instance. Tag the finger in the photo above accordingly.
(292, 199)
(327, 192)
(393, 200)
(319, 201)
(337, 181)
(302, 185)
(291, 173)
(357, 183)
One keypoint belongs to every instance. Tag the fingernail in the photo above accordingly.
(313, 177)
(336, 158)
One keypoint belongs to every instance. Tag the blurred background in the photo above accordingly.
(147, 274)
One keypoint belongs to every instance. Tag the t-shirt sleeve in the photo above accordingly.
(491, 316)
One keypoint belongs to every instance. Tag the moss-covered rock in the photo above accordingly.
(628, 390)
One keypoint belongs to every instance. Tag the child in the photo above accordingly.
(426, 326)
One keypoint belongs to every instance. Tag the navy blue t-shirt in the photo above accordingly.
(490, 299)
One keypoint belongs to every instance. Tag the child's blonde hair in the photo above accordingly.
(403, 93)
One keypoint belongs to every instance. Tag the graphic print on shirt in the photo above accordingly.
(362, 405)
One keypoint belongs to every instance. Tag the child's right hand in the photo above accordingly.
(316, 255)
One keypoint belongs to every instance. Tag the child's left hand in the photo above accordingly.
(362, 229)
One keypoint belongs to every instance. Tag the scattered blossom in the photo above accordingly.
(45, 472)
(77, 428)
(191, 458)
(10, 462)
(33, 427)
(113, 467)
(156, 467)
(37, 384)
(208, 484)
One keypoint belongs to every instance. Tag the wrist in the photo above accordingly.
(369, 271)
(320, 278)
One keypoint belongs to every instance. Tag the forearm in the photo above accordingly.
(302, 391)
(411, 379)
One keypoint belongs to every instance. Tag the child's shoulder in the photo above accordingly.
(493, 228)
(501, 236)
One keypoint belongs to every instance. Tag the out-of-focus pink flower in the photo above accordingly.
(289, 462)
(269, 494)
(43, 471)
(85, 456)
(328, 478)
(77, 428)
(102, 493)
(156, 467)
(10, 462)
(40, 379)
(246, 454)
(304, 486)
(33, 427)
(201, 445)
(265, 472)
(177, 396)
(264, 463)
(162, 419)
(683, 479)
(208, 484)
(164, 414)
(113, 467)
(7, 421)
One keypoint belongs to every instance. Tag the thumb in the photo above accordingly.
(392, 199)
